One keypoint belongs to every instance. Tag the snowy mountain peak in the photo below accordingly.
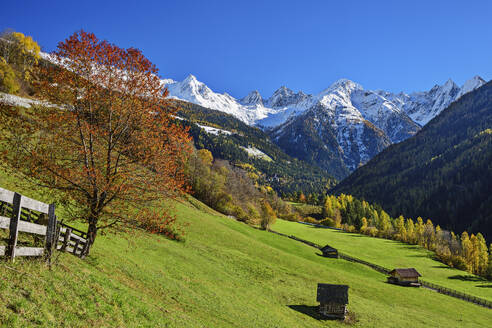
(343, 95)
(472, 84)
(344, 85)
(449, 85)
(282, 97)
(283, 91)
(253, 98)
(191, 79)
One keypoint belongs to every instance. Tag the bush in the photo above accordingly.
(239, 213)
(291, 217)
(329, 222)
(8, 80)
(310, 219)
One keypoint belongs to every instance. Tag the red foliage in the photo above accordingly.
(110, 141)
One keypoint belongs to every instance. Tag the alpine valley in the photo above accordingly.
(338, 129)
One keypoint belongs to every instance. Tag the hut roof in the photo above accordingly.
(332, 293)
(327, 248)
(407, 273)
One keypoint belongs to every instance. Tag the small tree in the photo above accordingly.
(268, 216)
(8, 81)
(111, 142)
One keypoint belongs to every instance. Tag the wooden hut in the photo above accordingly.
(333, 300)
(329, 251)
(405, 277)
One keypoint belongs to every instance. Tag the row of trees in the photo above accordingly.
(465, 252)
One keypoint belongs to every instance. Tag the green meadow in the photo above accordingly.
(391, 254)
(225, 274)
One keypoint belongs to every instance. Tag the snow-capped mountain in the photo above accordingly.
(424, 106)
(271, 112)
(252, 109)
(339, 128)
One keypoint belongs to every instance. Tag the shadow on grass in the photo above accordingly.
(410, 247)
(484, 286)
(467, 278)
(311, 311)
(441, 266)
(421, 255)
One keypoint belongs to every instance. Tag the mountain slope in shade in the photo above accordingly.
(443, 173)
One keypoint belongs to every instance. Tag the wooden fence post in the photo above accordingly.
(50, 233)
(76, 246)
(14, 226)
(56, 237)
(66, 239)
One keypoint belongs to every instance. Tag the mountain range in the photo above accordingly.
(338, 129)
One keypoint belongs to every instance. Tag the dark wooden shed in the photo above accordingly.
(329, 251)
(333, 300)
(405, 277)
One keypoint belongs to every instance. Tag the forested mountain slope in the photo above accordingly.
(230, 139)
(443, 173)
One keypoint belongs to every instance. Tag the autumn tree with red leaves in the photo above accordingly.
(108, 139)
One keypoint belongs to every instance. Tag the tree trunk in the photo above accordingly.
(91, 237)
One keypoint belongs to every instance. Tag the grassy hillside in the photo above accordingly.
(226, 274)
(391, 254)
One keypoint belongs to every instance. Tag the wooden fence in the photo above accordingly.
(71, 240)
(426, 284)
(457, 294)
(19, 213)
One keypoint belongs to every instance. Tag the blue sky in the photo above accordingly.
(237, 46)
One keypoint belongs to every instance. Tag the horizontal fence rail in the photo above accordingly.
(19, 213)
(20, 218)
(426, 284)
(457, 294)
(71, 240)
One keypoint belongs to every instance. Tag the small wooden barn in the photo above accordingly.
(405, 277)
(329, 251)
(333, 300)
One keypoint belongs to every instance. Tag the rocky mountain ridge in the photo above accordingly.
(340, 128)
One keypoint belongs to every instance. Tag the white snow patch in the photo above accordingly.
(212, 130)
(255, 152)
(13, 100)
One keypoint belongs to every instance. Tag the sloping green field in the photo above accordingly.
(226, 274)
(391, 254)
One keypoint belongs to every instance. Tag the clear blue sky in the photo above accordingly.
(237, 46)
